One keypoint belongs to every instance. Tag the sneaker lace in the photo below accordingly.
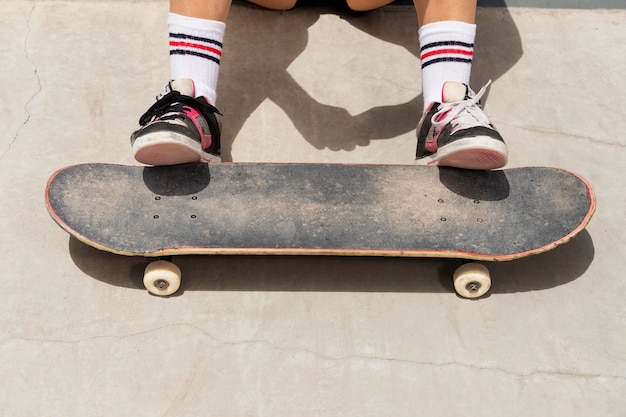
(466, 111)
(164, 105)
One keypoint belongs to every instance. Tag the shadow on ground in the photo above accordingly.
(260, 45)
(340, 274)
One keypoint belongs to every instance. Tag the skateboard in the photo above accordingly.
(319, 209)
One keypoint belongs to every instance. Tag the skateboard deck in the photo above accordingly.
(320, 209)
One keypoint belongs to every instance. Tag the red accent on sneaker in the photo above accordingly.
(431, 145)
(202, 126)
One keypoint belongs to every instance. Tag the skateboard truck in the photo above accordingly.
(163, 278)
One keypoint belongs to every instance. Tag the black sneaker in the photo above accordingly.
(457, 133)
(178, 128)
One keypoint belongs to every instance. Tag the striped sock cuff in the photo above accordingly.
(446, 51)
(182, 44)
(196, 37)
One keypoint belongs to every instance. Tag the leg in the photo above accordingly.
(447, 32)
(196, 34)
(431, 11)
(275, 4)
(366, 5)
(202, 9)
(453, 130)
(183, 126)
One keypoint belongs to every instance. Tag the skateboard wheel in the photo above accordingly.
(472, 280)
(162, 278)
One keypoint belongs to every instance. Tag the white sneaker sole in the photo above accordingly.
(170, 148)
(478, 153)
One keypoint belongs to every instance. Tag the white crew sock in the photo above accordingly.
(196, 52)
(447, 49)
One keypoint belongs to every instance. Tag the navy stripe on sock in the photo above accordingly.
(446, 59)
(446, 43)
(194, 53)
(195, 38)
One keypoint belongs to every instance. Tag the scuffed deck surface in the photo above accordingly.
(319, 209)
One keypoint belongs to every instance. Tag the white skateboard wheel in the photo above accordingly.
(472, 280)
(162, 278)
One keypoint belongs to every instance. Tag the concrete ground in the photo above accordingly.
(298, 336)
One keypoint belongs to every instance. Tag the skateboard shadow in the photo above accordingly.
(262, 44)
(340, 274)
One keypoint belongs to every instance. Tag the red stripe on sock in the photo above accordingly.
(196, 46)
(447, 52)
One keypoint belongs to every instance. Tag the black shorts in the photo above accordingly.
(337, 4)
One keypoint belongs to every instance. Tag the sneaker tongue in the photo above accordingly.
(184, 86)
(454, 92)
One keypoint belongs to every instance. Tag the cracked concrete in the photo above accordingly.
(79, 336)
(24, 61)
